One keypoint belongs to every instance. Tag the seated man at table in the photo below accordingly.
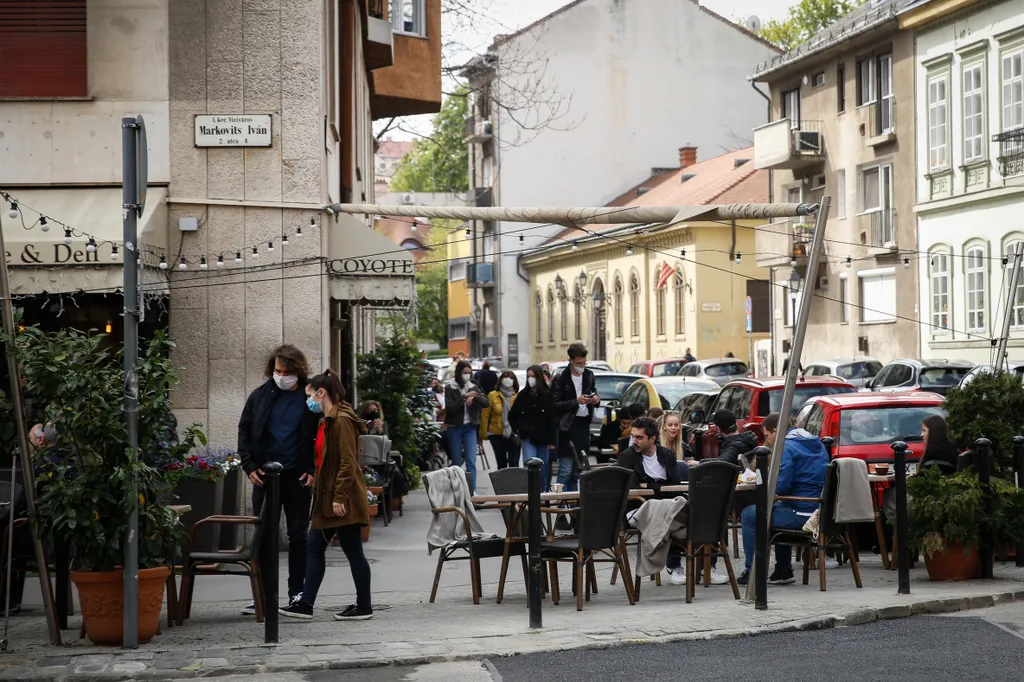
(614, 430)
(801, 474)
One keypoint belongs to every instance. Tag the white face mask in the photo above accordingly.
(577, 370)
(506, 382)
(466, 378)
(532, 381)
(286, 382)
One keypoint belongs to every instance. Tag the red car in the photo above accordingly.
(865, 425)
(751, 400)
(658, 368)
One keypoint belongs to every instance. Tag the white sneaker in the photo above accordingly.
(677, 576)
(718, 576)
(831, 563)
(249, 610)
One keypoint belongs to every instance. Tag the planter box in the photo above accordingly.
(231, 505)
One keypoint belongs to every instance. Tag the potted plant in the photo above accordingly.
(371, 500)
(207, 481)
(89, 479)
(1003, 417)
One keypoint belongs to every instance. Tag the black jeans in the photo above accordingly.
(351, 540)
(570, 444)
(295, 501)
(506, 451)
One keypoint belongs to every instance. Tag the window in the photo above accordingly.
(818, 79)
(551, 316)
(1017, 312)
(841, 88)
(456, 269)
(408, 16)
(876, 197)
(937, 129)
(866, 90)
(976, 283)
(878, 295)
(1013, 90)
(539, 306)
(887, 110)
(677, 300)
(458, 331)
(659, 309)
(634, 306)
(791, 107)
(939, 279)
(974, 113)
(43, 49)
(618, 307)
(578, 310)
(841, 193)
(563, 322)
(844, 300)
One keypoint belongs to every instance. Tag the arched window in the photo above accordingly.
(677, 301)
(539, 305)
(659, 307)
(617, 304)
(411, 245)
(634, 305)
(564, 311)
(1017, 311)
(939, 282)
(976, 285)
(578, 311)
(551, 316)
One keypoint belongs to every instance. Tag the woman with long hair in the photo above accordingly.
(671, 434)
(937, 445)
(340, 505)
(532, 417)
(372, 413)
(463, 401)
(494, 423)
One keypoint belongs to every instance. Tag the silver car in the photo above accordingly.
(857, 371)
(719, 370)
(1017, 367)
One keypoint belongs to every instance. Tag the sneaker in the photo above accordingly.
(352, 613)
(297, 609)
(249, 610)
(831, 563)
(292, 600)
(779, 577)
(677, 576)
(718, 576)
(743, 578)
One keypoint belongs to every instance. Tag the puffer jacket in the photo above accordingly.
(340, 479)
(735, 444)
(490, 417)
(455, 404)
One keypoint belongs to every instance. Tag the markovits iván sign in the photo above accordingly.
(233, 130)
(369, 267)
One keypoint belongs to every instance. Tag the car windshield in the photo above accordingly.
(667, 368)
(881, 425)
(801, 395)
(673, 393)
(942, 377)
(858, 370)
(726, 370)
(611, 387)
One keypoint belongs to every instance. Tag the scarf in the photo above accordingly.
(506, 403)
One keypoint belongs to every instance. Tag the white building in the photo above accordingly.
(970, 173)
(572, 109)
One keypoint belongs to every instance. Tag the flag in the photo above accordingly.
(665, 274)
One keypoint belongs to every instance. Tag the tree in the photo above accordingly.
(440, 162)
(432, 287)
(804, 20)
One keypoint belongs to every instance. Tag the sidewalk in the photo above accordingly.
(407, 630)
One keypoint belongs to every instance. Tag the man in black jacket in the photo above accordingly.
(574, 395)
(731, 442)
(276, 426)
(487, 378)
(613, 430)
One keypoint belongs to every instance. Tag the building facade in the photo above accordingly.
(633, 293)
(460, 302)
(970, 174)
(842, 126)
(572, 109)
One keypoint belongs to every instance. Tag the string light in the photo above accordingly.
(14, 210)
(469, 233)
(163, 262)
(284, 240)
(114, 255)
(413, 228)
(202, 263)
(1005, 261)
(183, 265)
(849, 261)
(792, 261)
(906, 263)
(43, 224)
(522, 239)
(629, 249)
(575, 247)
(739, 258)
(91, 246)
(270, 246)
(220, 261)
(238, 257)
(255, 252)
(67, 235)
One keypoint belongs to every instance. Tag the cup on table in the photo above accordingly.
(557, 487)
(882, 469)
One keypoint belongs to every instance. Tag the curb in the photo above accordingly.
(846, 619)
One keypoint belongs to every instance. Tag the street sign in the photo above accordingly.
(749, 306)
(750, 323)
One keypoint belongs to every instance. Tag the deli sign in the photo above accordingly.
(59, 253)
(370, 267)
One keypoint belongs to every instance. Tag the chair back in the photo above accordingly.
(584, 460)
(965, 462)
(510, 481)
(374, 450)
(603, 494)
(829, 498)
(945, 467)
(259, 532)
(712, 488)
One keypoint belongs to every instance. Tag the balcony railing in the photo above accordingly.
(789, 144)
(883, 117)
(878, 229)
(1011, 152)
(783, 242)
(480, 274)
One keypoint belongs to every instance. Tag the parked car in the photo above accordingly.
(1017, 367)
(865, 425)
(610, 387)
(658, 368)
(937, 376)
(720, 370)
(698, 400)
(594, 366)
(664, 392)
(751, 400)
(855, 370)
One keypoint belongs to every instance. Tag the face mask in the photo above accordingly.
(532, 381)
(314, 406)
(466, 378)
(506, 382)
(286, 382)
(577, 370)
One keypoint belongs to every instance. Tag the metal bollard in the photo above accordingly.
(829, 443)
(761, 454)
(698, 444)
(533, 467)
(271, 517)
(982, 465)
(1018, 477)
(899, 449)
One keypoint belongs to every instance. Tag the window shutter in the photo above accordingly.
(43, 48)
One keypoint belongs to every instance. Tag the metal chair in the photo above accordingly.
(375, 452)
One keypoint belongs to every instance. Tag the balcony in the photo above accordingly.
(785, 242)
(412, 84)
(480, 274)
(878, 231)
(378, 42)
(781, 145)
(478, 130)
(483, 196)
(1011, 152)
(883, 122)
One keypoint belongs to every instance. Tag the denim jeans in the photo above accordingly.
(541, 452)
(570, 444)
(295, 500)
(783, 516)
(462, 448)
(351, 541)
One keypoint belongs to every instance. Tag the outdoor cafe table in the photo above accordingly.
(876, 480)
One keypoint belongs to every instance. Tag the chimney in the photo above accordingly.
(687, 156)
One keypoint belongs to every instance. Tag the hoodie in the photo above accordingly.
(802, 469)
(732, 446)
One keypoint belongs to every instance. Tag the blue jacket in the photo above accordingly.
(802, 470)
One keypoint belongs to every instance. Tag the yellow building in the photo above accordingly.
(459, 254)
(600, 284)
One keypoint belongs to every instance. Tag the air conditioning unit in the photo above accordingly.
(409, 199)
(823, 282)
(484, 129)
(807, 142)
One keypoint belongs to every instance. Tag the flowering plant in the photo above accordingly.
(205, 464)
(371, 499)
(371, 477)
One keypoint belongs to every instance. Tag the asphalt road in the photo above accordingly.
(922, 649)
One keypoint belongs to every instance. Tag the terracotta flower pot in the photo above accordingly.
(101, 595)
(377, 490)
(955, 562)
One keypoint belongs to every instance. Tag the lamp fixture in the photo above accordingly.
(44, 225)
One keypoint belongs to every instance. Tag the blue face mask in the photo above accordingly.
(314, 406)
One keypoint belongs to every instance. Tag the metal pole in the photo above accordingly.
(761, 543)
(750, 351)
(982, 463)
(271, 517)
(899, 449)
(817, 249)
(52, 627)
(130, 219)
(1018, 479)
(533, 466)
(1004, 334)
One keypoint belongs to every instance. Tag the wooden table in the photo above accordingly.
(875, 480)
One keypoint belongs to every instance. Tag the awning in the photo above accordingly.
(42, 261)
(366, 267)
